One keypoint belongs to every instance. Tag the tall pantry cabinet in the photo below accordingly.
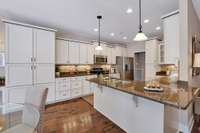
(30, 60)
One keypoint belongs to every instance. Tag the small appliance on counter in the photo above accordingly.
(153, 86)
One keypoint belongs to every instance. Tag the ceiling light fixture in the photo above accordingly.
(99, 48)
(125, 38)
(140, 35)
(96, 29)
(129, 10)
(112, 34)
(146, 21)
(158, 28)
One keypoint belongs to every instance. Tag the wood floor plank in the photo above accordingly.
(77, 116)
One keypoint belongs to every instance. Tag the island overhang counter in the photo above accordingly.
(135, 110)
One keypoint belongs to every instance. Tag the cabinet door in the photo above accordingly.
(151, 51)
(73, 53)
(19, 44)
(113, 55)
(51, 91)
(19, 74)
(171, 38)
(44, 46)
(109, 55)
(83, 53)
(44, 73)
(86, 87)
(17, 94)
(61, 52)
(91, 54)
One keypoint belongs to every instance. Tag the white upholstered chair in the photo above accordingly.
(34, 107)
(37, 97)
(30, 120)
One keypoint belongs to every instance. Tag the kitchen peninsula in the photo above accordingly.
(138, 111)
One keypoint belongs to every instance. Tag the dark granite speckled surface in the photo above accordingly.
(175, 95)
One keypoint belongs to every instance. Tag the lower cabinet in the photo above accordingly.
(73, 87)
(17, 94)
(51, 91)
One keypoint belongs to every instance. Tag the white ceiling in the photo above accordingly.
(78, 17)
(196, 4)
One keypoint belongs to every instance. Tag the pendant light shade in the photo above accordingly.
(99, 48)
(140, 36)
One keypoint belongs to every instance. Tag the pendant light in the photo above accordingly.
(140, 35)
(99, 48)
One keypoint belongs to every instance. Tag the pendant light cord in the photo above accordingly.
(99, 32)
(140, 16)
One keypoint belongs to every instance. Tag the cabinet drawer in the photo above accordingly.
(76, 92)
(62, 80)
(76, 84)
(76, 78)
(63, 94)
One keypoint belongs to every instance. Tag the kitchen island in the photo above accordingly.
(138, 111)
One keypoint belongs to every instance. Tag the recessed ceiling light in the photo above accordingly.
(95, 29)
(158, 28)
(125, 38)
(129, 10)
(146, 21)
(112, 34)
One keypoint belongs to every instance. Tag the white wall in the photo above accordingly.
(135, 47)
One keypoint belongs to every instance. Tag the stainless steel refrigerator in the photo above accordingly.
(125, 67)
(139, 66)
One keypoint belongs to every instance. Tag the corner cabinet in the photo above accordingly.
(171, 25)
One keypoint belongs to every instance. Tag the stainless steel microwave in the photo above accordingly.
(100, 59)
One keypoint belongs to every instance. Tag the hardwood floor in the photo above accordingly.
(77, 116)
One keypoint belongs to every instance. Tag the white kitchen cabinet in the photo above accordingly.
(86, 87)
(171, 26)
(74, 52)
(83, 53)
(51, 91)
(151, 59)
(19, 42)
(76, 92)
(118, 51)
(91, 52)
(17, 94)
(161, 53)
(151, 51)
(114, 55)
(109, 55)
(62, 52)
(63, 91)
(44, 73)
(19, 74)
(44, 46)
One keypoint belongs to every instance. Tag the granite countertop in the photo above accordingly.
(175, 95)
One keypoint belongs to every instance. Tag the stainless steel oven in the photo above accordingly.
(100, 59)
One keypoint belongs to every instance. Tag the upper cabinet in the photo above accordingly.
(44, 45)
(74, 52)
(27, 45)
(69, 52)
(171, 24)
(84, 54)
(90, 53)
(61, 52)
(19, 49)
